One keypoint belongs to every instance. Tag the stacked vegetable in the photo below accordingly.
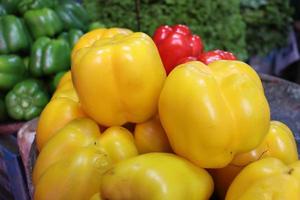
(36, 38)
(119, 127)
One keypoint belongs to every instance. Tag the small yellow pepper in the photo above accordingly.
(156, 176)
(63, 107)
(279, 143)
(151, 137)
(77, 177)
(210, 113)
(266, 179)
(62, 154)
(116, 142)
(118, 76)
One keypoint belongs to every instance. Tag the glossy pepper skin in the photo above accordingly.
(63, 108)
(12, 71)
(25, 5)
(14, 36)
(77, 177)
(152, 176)
(211, 56)
(151, 137)
(26, 100)
(8, 7)
(268, 178)
(49, 56)
(116, 144)
(76, 134)
(278, 143)
(2, 10)
(217, 111)
(73, 15)
(118, 76)
(176, 45)
(43, 22)
(72, 36)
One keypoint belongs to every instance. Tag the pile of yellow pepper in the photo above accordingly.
(118, 128)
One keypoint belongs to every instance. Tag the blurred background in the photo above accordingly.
(264, 33)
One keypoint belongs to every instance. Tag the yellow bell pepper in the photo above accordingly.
(119, 144)
(118, 76)
(77, 177)
(151, 137)
(279, 143)
(63, 107)
(210, 113)
(67, 77)
(89, 39)
(266, 179)
(116, 142)
(96, 196)
(156, 176)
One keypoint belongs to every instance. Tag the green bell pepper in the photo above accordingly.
(26, 100)
(9, 6)
(2, 10)
(49, 56)
(95, 25)
(26, 63)
(3, 114)
(43, 22)
(26, 5)
(71, 36)
(12, 70)
(14, 36)
(73, 15)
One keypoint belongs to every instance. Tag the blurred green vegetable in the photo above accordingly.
(12, 70)
(25, 5)
(268, 23)
(43, 22)
(73, 15)
(26, 100)
(95, 25)
(71, 36)
(49, 56)
(14, 36)
(8, 7)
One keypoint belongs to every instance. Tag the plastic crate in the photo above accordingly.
(13, 185)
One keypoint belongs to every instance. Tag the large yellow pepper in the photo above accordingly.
(267, 179)
(63, 107)
(279, 143)
(118, 76)
(210, 113)
(62, 155)
(150, 136)
(156, 176)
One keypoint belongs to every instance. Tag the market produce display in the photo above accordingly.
(36, 39)
(121, 124)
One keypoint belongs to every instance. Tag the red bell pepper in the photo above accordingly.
(176, 45)
(210, 56)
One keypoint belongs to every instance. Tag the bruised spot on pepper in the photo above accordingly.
(290, 171)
